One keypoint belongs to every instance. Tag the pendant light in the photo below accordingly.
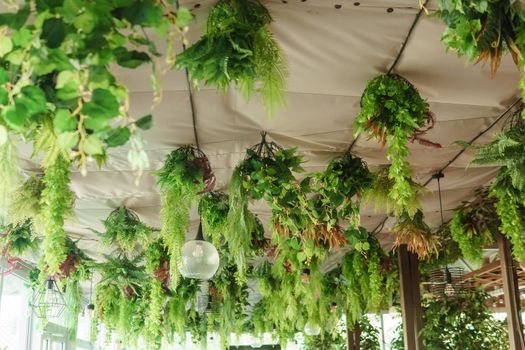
(312, 329)
(49, 303)
(200, 259)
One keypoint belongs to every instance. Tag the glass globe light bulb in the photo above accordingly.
(312, 329)
(200, 259)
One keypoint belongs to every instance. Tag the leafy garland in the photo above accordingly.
(25, 203)
(238, 47)
(185, 174)
(507, 151)
(474, 224)
(393, 112)
(125, 230)
(484, 30)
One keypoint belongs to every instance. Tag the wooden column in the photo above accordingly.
(410, 298)
(511, 294)
(353, 337)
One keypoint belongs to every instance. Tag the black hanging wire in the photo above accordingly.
(398, 56)
(438, 176)
(190, 94)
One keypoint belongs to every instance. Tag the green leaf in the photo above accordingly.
(4, 78)
(15, 116)
(33, 99)
(15, 20)
(96, 124)
(184, 17)
(93, 145)
(130, 59)
(64, 121)
(118, 137)
(69, 91)
(6, 45)
(145, 123)
(53, 32)
(86, 22)
(102, 105)
(68, 140)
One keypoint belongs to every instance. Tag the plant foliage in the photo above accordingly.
(393, 112)
(474, 225)
(185, 174)
(238, 47)
(417, 235)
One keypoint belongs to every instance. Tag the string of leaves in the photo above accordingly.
(393, 112)
(238, 47)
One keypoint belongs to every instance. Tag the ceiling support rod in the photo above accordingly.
(410, 298)
(511, 294)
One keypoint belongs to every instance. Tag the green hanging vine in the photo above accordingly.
(185, 174)
(474, 225)
(393, 112)
(57, 203)
(238, 47)
(507, 150)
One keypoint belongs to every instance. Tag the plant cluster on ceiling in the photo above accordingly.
(58, 92)
(461, 321)
(238, 47)
(485, 30)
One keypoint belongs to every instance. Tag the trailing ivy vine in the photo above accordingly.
(239, 48)
(393, 112)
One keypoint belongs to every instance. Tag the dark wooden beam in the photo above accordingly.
(410, 298)
(353, 337)
(511, 294)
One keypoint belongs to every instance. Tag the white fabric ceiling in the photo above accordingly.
(331, 54)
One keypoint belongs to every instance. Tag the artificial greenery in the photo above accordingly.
(125, 230)
(483, 30)
(214, 208)
(238, 47)
(344, 179)
(378, 195)
(9, 172)
(507, 151)
(24, 203)
(416, 235)
(15, 241)
(56, 205)
(119, 297)
(393, 112)
(185, 174)
(474, 225)
(55, 76)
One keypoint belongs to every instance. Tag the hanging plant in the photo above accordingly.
(344, 179)
(238, 47)
(507, 151)
(55, 75)
(157, 266)
(25, 203)
(484, 30)
(393, 112)
(120, 303)
(214, 208)
(56, 205)
(186, 173)
(379, 194)
(180, 315)
(125, 230)
(418, 237)
(474, 224)
(15, 241)
(9, 172)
